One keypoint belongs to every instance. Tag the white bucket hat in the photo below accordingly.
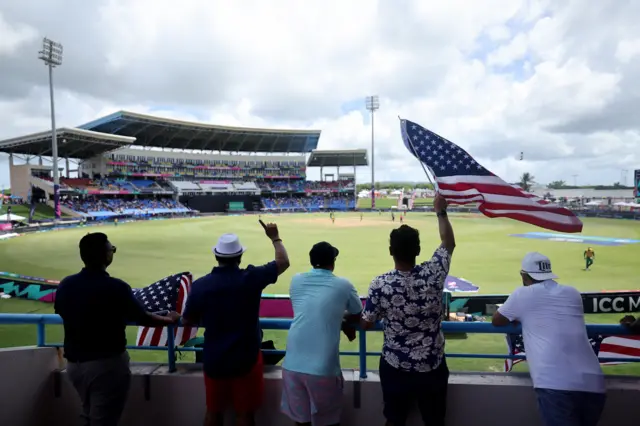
(537, 266)
(228, 246)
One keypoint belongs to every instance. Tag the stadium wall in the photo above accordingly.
(217, 203)
(19, 177)
(279, 306)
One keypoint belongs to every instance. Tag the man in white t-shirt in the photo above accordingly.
(564, 369)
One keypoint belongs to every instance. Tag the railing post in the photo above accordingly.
(171, 348)
(362, 340)
(41, 334)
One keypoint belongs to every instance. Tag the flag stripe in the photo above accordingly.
(616, 350)
(462, 180)
(623, 347)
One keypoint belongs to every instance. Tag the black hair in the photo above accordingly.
(93, 249)
(405, 244)
(533, 281)
(229, 261)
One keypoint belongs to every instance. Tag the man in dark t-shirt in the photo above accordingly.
(95, 309)
(227, 303)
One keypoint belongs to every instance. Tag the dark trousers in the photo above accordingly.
(103, 386)
(570, 408)
(402, 389)
(589, 262)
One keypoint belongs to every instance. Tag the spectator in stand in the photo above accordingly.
(408, 300)
(95, 309)
(565, 371)
(632, 323)
(227, 303)
(312, 379)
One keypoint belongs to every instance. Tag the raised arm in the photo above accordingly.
(447, 237)
(281, 256)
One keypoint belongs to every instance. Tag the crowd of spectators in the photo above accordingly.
(113, 183)
(127, 165)
(308, 203)
(118, 205)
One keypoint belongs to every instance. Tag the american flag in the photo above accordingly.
(168, 294)
(604, 347)
(462, 180)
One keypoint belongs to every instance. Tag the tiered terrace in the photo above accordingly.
(36, 390)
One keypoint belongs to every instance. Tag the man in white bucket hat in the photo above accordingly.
(227, 303)
(564, 369)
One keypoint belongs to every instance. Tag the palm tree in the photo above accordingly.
(526, 180)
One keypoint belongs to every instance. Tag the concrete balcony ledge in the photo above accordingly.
(35, 391)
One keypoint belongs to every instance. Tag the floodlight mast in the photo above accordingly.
(51, 54)
(372, 104)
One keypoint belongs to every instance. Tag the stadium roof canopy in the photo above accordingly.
(72, 143)
(168, 133)
(355, 157)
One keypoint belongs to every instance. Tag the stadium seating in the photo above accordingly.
(120, 164)
(245, 186)
(185, 186)
(314, 203)
(105, 208)
(216, 186)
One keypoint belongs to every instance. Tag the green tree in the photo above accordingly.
(526, 180)
(557, 184)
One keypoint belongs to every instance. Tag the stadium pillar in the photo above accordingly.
(10, 159)
(66, 160)
(355, 184)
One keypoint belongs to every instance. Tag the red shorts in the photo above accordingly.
(244, 394)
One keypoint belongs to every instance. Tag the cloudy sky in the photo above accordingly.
(557, 80)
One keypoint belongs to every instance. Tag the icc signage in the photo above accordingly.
(629, 303)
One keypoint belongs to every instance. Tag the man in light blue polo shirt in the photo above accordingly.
(312, 377)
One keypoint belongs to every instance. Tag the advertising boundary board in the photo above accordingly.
(279, 306)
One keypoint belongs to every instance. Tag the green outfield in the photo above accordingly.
(485, 255)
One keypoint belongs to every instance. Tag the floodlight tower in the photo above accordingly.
(51, 54)
(372, 104)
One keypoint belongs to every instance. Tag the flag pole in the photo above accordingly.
(415, 151)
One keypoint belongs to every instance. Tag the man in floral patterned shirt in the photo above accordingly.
(408, 301)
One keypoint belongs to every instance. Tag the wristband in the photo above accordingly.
(276, 240)
(443, 213)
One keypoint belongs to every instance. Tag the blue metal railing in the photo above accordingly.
(450, 327)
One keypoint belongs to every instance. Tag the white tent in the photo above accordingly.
(11, 218)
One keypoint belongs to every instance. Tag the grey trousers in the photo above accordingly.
(103, 386)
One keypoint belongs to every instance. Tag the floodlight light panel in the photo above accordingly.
(372, 102)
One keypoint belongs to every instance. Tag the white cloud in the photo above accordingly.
(555, 80)
(627, 50)
(14, 36)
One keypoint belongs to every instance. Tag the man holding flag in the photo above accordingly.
(462, 180)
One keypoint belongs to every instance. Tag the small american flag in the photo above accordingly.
(462, 180)
(168, 294)
(605, 347)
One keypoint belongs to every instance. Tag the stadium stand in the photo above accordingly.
(133, 163)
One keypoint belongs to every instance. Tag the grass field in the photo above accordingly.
(485, 255)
